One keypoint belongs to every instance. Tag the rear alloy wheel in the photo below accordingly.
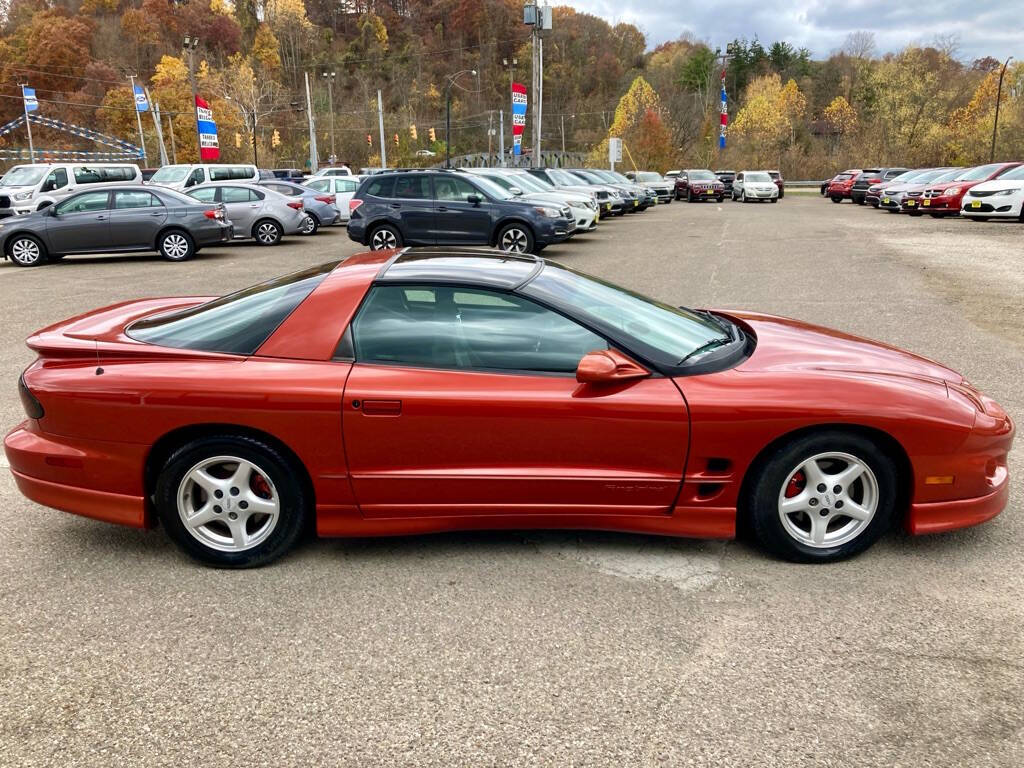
(823, 497)
(176, 246)
(385, 238)
(515, 238)
(231, 502)
(26, 251)
(267, 232)
(310, 224)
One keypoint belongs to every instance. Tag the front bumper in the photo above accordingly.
(1007, 207)
(940, 516)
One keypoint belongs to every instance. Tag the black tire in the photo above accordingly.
(775, 199)
(26, 251)
(313, 226)
(836, 199)
(782, 193)
(743, 196)
(292, 498)
(385, 237)
(515, 238)
(915, 213)
(860, 201)
(267, 232)
(977, 218)
(771, 477)
(721, 199)
(689, 196)
(176, 245)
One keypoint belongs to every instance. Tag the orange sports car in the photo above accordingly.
(400, 392)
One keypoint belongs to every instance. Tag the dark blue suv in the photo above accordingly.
(437, 207)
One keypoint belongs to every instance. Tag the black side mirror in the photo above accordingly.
(474, 199)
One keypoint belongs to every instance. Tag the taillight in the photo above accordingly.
(214, 213)
(296, 204)
(33, 408)
(324, 199)
(353, 204)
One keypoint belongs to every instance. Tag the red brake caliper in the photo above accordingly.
(795, 485)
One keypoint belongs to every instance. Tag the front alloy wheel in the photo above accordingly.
(822, 497)
(515, 239)
(26, 251)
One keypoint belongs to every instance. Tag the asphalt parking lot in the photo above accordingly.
(551, 648)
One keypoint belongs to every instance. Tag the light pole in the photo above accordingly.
(190, 45)
(995, 123)
(510, 63)
(329, 77)
(450, 81)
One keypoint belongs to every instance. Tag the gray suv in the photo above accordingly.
(115, 219)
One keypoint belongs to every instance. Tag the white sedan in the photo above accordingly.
(754, 185)
(342, 187)
(1001, 198)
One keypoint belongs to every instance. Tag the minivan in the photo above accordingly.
(185, 176)
(28, 188)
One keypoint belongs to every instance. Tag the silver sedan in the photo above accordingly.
(256, 212)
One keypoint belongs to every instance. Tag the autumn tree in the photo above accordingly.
(632, 107)
(763, 124)
(841, 119)
(651, 145)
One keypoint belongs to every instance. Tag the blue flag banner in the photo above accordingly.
(141, 102)
(725, 114)
(29, 95)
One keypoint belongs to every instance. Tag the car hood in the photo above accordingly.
(16, 190)
(784, 344)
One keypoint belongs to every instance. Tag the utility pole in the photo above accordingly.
(510, 63)
(191, 43)
(313, 163)
(380, 123)
(501, 135)
(155, 112)
(174, 150)
(490, 134)
(329, 76)
(539, 18)
(562, 117)
(28, 125)
(138, 119)
(995, 123)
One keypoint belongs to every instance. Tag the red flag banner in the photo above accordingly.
(518, 116)
(209, 148)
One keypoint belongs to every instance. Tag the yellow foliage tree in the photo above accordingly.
(634, 104)
(265, 49)
(841, 116)
(763, 124)
(971, 125)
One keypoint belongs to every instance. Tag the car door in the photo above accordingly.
(458, 221)
(80, 223)
(464, 401)
(242, 207)
(135, 219)
(412, 204)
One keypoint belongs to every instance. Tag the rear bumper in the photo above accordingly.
(939, 516)
(57, 472)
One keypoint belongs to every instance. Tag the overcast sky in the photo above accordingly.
(992, 28)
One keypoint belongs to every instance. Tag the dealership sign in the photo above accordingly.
(209, 148)
(518, 116)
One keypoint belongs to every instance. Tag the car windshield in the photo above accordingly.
(979, 173)
(237, 324)
(171, 173)
(605, 177)
(950, 175)
(23, 176)
(702, 176)
(843, 176)
(648, 176)
(905, 176)
(931, 175)
(529, 183)
(666, 334)
(492, 189)
(564, 178)
(589, 177)
(617, 177)
(756, 176)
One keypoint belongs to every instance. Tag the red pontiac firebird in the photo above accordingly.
(402, 392)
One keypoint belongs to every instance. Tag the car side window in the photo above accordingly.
(205, 195)
(445, 327)
(382, 187)
(133, 199)
(415, 187)
(320, 185)
(739, 177)
(345, 185)
(453, 189)
(85, 175)
(235, 195)
(58, 179)
(88, 202)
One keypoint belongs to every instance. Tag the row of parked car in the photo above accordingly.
(516, 209)
(978, 193)
(48, 211)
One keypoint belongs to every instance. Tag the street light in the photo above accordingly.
(329, 77)
(995, 123)
(448, 114)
